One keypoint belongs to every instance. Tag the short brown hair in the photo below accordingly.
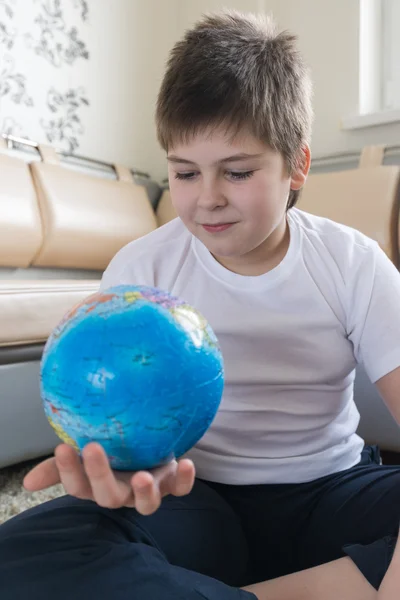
(237, 71)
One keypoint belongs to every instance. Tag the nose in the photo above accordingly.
(210, 197)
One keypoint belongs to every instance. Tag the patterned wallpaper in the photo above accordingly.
(42, 50)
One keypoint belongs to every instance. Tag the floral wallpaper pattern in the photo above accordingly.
(42, 44)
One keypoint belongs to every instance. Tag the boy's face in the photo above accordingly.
(232, 195)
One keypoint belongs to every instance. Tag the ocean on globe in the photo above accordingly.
(136, 370)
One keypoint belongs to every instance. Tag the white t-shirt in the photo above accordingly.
(290, 339)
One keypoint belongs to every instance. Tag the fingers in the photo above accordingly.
(184, 480)
(147, 493)
(71, 472)
(106, 489)
(42, 476)
(149, 488)
(92, 478)
(179, 480)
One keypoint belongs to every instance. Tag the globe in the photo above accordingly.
(135, 369)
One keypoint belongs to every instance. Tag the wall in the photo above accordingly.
(130, 47)
(191, 10)
(44, 55)
(328, 33)
(83, 75)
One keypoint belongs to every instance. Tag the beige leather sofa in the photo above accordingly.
(59, 228)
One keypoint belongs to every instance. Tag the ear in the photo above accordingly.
(299, 177)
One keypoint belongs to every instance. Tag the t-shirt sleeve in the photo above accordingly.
(373, 310)
(127, 267)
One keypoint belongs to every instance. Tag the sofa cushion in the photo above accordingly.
(31, 309)
(20, 223)
(87, 219)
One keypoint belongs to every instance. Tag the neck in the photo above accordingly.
(265, 257)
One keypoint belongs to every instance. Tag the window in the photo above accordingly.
(391, 54)
(379, 54)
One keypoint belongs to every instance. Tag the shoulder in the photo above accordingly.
(142, 257)
(345, 245)
(336, 256)
(152, 244)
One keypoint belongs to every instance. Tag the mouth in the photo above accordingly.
(217, 227)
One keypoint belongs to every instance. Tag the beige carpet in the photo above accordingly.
(14, 498)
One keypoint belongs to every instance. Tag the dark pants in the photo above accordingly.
(205, 545)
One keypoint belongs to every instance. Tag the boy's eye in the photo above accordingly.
(238, 175)
(235, 175)
(185, 175)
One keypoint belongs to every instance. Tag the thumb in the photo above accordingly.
(42, 476)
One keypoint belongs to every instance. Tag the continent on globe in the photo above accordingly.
(135, 369)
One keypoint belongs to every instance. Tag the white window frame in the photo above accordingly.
(379, 76)
(391, 54)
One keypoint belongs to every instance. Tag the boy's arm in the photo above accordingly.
(389, 388)
(373, 320)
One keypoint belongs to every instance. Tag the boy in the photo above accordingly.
(283, 484)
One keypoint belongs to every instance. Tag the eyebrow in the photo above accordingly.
(236, 157)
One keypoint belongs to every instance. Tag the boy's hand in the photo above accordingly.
(93, 479)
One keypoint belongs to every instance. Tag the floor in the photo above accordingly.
(14, 498)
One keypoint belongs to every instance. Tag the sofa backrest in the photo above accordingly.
(57, 217)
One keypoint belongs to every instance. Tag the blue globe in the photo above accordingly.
(136, 370)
